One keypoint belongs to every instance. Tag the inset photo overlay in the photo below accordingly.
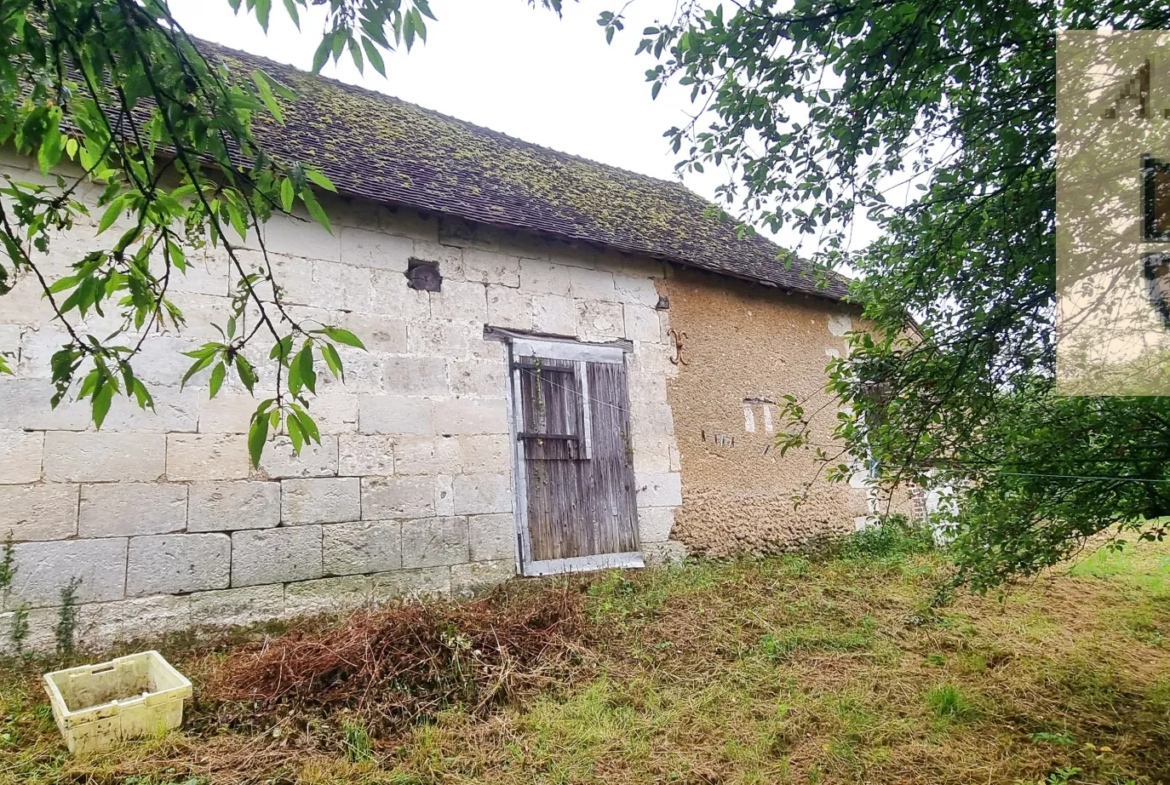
(1113, 212)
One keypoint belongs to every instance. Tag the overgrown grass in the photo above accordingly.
(897, 537)
(357, 746)
(842, 668)
(949, 703)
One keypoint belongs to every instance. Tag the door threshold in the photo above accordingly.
(598, 561)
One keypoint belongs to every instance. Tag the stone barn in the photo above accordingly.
(569, 367)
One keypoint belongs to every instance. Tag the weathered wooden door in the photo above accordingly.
(574, 469)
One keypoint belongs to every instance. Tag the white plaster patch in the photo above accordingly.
(839, 324)
(749, 418)
(859, 479)
(768, 427)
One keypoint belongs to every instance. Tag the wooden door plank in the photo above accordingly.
(599, 561)
(582, 373)
(612, 465)
(521, 475)
(569, 351)
(572, 429)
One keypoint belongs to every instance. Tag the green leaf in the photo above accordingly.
(291, 7)
(266, 95)
(294, 376)
(89, 384)
(408, 30)
(52, 143)
(257, 435)
(196, 367)
(176, 256)
(294, 433)
(420, 26)
(12, 247)
(61, 284)
(246, 373)
(217, 376)
(281, 349)
(355, 54)
(101, 404)
(333, 360)
(304, 363)
(308, 425)
(321, 56)
(112, 212)
(374, 56)
(316, 210)
(318, 177)
(142, 395)
(287, 195)
(343, 336)
(376, 32)
(237, 212)
(263, 12)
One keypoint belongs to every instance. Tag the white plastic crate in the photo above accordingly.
(96, 706)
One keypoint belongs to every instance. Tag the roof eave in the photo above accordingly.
(569, 237)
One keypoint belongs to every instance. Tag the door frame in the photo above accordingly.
(522, 345)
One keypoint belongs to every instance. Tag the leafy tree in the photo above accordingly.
(819, 109)
(164, 137)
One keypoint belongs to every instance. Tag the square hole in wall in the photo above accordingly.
(424, 276)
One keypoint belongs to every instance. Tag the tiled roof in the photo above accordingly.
(380, 148)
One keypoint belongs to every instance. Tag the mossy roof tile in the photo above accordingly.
(387, 150)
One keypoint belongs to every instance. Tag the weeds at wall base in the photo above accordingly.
(18, 632)
(892, 537)
(7, 565)
(67, 619)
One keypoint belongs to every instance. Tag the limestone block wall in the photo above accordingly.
(744, 347)
(159, 522)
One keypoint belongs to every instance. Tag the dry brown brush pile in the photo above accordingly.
(398, 664)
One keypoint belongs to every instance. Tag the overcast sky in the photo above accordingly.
(512, 68)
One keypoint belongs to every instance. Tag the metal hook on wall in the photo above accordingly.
(678, 346)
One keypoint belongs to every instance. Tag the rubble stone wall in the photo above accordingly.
(745, 347)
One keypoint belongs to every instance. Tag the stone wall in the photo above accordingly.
(744, 347)
(161, 523)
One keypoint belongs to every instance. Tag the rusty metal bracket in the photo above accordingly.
(678, 346)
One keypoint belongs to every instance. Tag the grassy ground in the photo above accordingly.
(847, 669)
